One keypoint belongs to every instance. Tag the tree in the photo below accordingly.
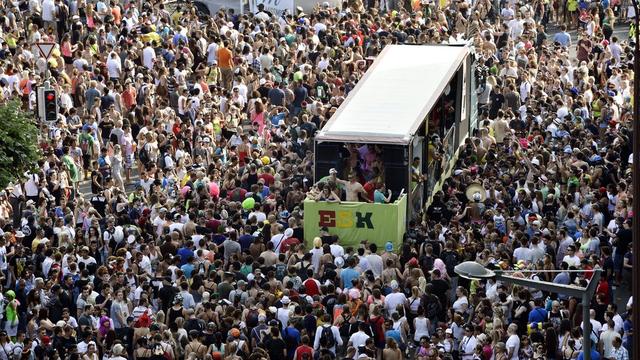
(19, 150)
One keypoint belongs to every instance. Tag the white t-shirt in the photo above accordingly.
(607, 342)
(392, 301)
(468, 347)
(358, 339)
(114, 67)
(336, 250)
(31, 186)
(319, 27)
(212, 52)
(375, 264)
(48, 10)
(3, 258)
(572, 260)
(457, 305)
(148, 55)
(277, 241)
(523, 254)
(145, 264)
(514, 343)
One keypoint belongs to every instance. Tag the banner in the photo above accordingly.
(275, 7)
(356, 221)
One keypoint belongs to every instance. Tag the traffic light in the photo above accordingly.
(50, 105)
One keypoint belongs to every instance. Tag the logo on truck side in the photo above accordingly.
(345, 219)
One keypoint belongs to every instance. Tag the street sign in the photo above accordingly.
(45, 49)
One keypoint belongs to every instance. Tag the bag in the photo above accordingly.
(239, 350)
(280, 271)
(142, 94)
(252, 319)
(327, 340)
(143, 155)
(426, 262)
(433, 308)
(162, 163)
(236, 195)
(345, 328)
(450, 261)
(113, 138)
(302, 271)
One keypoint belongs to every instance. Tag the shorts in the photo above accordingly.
(128, 161)
(86, 162)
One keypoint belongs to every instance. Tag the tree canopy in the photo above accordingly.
(19, 150)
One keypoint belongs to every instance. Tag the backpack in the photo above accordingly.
(236, 195)
(427, 262)
(433, 307)
(17, 354)
(162, 162)
(450, 261)
(239, 350)
(252, 319)
(327, 340)
(345, 328)
(329, 272)
(302, 271)
(142, 94)
(143, 155)
(280, 271)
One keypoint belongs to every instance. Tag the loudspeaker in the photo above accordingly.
(395, 155)
(396, 178)
(327, 151)
(328, 155)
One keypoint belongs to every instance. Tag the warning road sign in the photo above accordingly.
(45, 49)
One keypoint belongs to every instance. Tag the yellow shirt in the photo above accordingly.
(11, 41)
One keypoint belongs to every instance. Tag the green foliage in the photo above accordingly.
(19, 150)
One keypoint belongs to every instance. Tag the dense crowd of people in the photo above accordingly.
(193, 139)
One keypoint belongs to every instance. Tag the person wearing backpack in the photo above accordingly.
(450, 258)
(345, 322)
(327, 336)
(304, 265)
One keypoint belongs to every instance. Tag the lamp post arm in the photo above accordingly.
(569, 290)
(583, 293)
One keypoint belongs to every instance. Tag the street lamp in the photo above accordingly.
(475, 271)
(635, 231)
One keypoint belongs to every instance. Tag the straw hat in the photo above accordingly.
(475, 189)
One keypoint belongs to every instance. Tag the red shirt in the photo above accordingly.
(176, 128)
(284, 247)
(213, 224)
(236, 194)
(311, 287)
(302, 350)
(129, 98)
(603, 288)
(370, 188)
(268, 178)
